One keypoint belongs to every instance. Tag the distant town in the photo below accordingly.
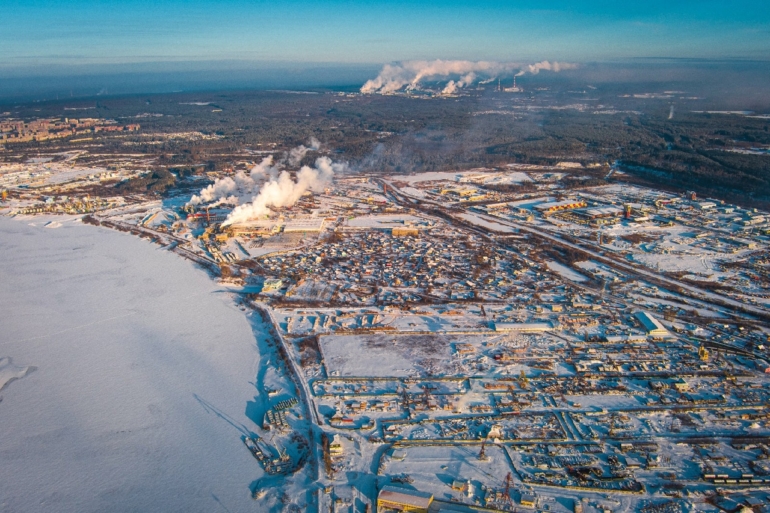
(12, 131)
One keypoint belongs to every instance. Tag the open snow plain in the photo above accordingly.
(128, 374)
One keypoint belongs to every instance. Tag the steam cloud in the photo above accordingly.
(536, 68)
(244, 185)
(282, 191)
(229, 190)
(410, 74)
(296, 155)
(267, 185)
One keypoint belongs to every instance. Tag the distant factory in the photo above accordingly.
(514, 89)
(556, 206)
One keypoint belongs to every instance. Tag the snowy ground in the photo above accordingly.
(565, 272)
(127, 377)
(485, 176)
(384, 355)
(477, 220)
(435, 470)
(384, 221)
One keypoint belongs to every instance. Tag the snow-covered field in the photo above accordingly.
(127, 377)
(565, 272)
(385, 355)
(486, 176)
(383, 221)
(477, 220)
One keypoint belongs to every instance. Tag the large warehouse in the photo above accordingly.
(651, 325)
(555, 206)
(392, 498)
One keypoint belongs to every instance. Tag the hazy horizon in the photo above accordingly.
(88, 47)
(734, 83)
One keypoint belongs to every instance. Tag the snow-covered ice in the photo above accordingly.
(142, 371)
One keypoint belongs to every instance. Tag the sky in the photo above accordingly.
(37, 36)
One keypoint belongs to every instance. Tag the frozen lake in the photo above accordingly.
(128, 378)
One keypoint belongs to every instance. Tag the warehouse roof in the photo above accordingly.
(403, 496)
(523, 326)
(651, 324)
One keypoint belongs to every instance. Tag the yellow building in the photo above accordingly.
(335, 447)
(392, 498)
(272, 285)
(653, 327)
(405, 232)
(555, 206)
(528, 500)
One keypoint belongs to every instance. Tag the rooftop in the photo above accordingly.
(413, 498)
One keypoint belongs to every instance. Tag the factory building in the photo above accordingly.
(651, 325)
(555, 206)
(528, 500)
(706, 205)
(210, 216)
(312, 224)
(600, 212)
(392, 498)
(253, 228)
(525, 327)
(272, 285)
(405, 232)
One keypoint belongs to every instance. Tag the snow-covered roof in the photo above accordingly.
(523, 326)
(413, 498)
(651, 324)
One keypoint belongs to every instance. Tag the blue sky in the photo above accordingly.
(40, 33)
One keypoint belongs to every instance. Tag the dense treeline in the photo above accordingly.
(396, 134)
(157, 181)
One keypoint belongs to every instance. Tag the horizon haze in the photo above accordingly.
(95, 48)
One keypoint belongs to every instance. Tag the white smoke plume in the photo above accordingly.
(229, 189)
(410, 74)
(242, 184)
(296, 155)
(282, 191)
(536, 68)
(453, 86)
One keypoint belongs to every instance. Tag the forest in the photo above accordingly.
(713, 152)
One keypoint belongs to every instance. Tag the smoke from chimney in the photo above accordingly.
(282, 191)
(536, 68)
(245, 185)
(410, 74)
(228, 190)
(295, 156)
